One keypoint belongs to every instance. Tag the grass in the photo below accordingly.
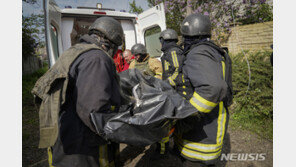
(252, 110)
(30, 121)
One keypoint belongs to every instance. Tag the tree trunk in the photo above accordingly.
(188, 8)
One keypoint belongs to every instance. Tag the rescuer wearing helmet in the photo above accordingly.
(146, 64)
(172, 58)
(73, 91)
(206, 83)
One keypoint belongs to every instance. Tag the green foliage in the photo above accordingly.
(259, 13)
(32, 34)
(174, 19)
(253, 110)
(134, 8)
(152, 31)
(30, 1)
(28, 82)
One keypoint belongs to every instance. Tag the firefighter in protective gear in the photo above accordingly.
(206, 83)
(171, 60)
(146, 64)
(72, 90)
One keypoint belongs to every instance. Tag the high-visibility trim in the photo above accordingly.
(112, 108)
(175, 59)
(49, 152)
(199, 146)
(176, 65)
(158, 73)
(184, 93)
(165, 139)
(221, 121)
(175, 74)
(203, 100)
(171, 81)
(222, 116)
(162, 148)
(198, 106)
(162, 144)
(103, 156)
(166, 65)
(223, 68)
(198, 155)
(202, 104)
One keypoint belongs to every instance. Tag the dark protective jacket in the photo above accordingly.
(204, 75)
(84, 78)
(172, 60)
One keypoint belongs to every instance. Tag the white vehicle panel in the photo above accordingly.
(61, 26)
(150, 18)
(129, 33)
(68, 11)
(52, 30)
(67, 28)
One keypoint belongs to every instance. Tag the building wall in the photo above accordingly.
(253, 37)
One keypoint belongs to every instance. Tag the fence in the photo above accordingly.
(253, 37)
(30, 65)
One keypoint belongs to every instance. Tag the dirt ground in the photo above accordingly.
(236, 141)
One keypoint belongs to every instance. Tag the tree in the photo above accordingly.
(30, 1)
(134, 8)
(32, 34)
(256, 11)
(222, 13)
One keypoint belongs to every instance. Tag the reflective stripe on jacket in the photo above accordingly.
(204, 69)
(172, 61)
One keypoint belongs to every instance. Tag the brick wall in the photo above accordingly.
(253, 37)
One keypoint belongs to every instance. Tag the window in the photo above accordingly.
(152, 41)
(54, 41)
(81, 27)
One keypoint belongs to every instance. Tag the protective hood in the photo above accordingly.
(165, 44)
(189, 41)
(88, 39)
(93, 39)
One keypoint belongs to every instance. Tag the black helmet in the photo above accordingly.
(110, 27)
(139, 49)
(196, 25)
(168, 34)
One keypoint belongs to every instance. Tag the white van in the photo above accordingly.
(63, 27)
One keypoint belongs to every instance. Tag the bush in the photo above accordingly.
(28, 82)
(253, 109)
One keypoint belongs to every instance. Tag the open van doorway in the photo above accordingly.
(64, 27)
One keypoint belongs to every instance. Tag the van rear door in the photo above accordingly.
(149, 24)
(52, 14)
